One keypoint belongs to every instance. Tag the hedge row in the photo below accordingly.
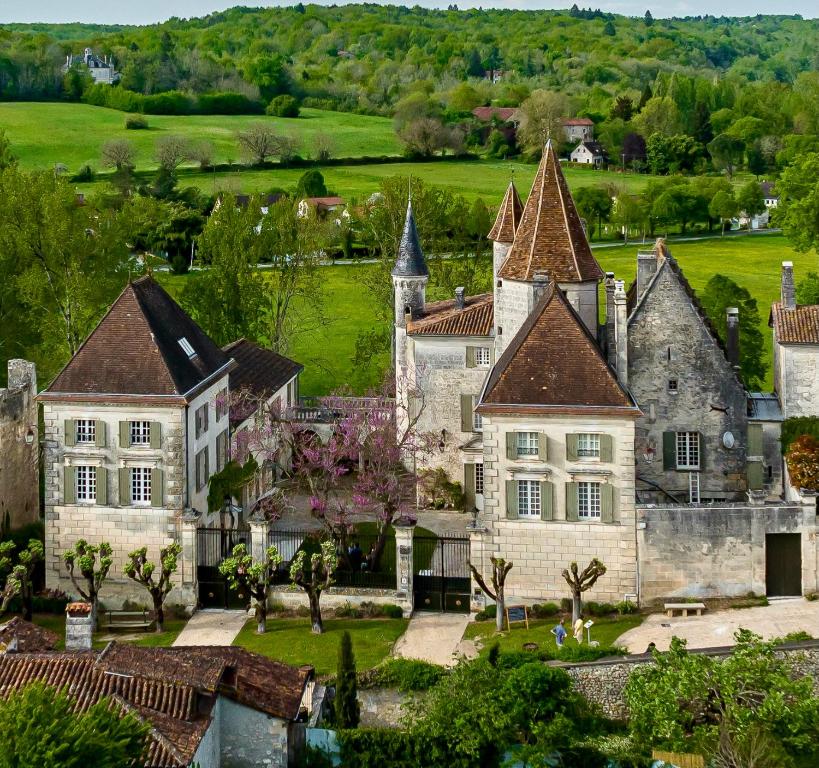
(172, 102)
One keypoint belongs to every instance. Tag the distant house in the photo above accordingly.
(323, 205)
(101, 69)
(493, 75)
(589, 153)
(243, 200)
(769, 193)
(503, 114)
(578, 129)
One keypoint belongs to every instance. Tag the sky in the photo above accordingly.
(150, 11)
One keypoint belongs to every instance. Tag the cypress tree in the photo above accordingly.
(346, 701)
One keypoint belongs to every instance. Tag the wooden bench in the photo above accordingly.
(127, 620)
(684, 608)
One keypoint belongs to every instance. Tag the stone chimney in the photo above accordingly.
(79, 627)
(788, 287)
(732, 323)
(540, 282)
(460, 299)
(646, 268)
(621, 331)
(611, 352)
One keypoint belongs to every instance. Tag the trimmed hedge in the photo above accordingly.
(171, 102)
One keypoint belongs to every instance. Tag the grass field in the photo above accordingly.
(291, 641)
(43, 134)
(753, 262)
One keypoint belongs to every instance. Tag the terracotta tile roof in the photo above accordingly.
(508, 218)
(485, 114)
(553, 362)
(550, 238)
(577, 121)
(173, 689)
(443, 318)
(259, 371)
(410, 261)
(796, 326)
(24, 637)
(325, 202)
(135, 350)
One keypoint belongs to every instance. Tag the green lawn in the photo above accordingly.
(43, 134)
(291, 641)
(605, 631)
(56, 623)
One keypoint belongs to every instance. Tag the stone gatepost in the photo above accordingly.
(480, 549)
(189, 522)
(259, 529)
(810, 542)
(404, 532)
(79, 627)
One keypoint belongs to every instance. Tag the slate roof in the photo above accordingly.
(595, 147)
(25, 637)
(172, 689)
(259, 371)
(508, 218)
(135, 351)
(796, 326)
(443, 318)
(550, 237)
(554, 363)
(410, 261)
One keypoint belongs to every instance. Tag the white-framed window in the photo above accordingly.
(688, 450)
(86, 431)
(588, 445)
(86, 484)
(528, 443)
(588, 501)
(479, 479)
(201, 418)
(140, 432)
(528, 498)
(477, 422)
(482, 357)
(140, 485)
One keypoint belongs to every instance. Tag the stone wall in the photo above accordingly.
(583, 298)
(513, 303)
(667, 341)
(19, 447)
(715, 551)
(796, 371)
(249, 739)
(603, 682)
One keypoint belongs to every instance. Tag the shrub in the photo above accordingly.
(811, 596)
(347, 611)
(392, 611)
(794, 637)
(168, 103)
(405, 674)
(490, 612)
(625, 607)
(544, 610)
(598, 609)
(136, 123)
(228, 103)
(439, 491)
(565, 604)
(86, 173)
(803, 462)
(283, 106)
(179, 264)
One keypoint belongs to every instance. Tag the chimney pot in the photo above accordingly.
(788, 287)
(460, 299)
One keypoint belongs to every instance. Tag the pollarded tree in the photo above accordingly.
(82, 565)
(243, 572)
(582, 581)
(19, 581)
(141, 570)
(500, 570)
(314, 575)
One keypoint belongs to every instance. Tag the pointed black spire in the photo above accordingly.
(410, 261)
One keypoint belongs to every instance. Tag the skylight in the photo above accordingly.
(186, 345)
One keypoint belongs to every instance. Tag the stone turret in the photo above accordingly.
(410, 273)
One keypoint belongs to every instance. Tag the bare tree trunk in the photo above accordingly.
(500, 604)
(261, 618)
(577, 606)
(317, 626)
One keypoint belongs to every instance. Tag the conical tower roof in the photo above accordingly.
(509, 214)
(550, 238)
(410, 261)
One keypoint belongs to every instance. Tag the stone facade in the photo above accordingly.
(715, 551)
(682, 381)
(796, 373)
(513, 304)
(541, 549)
(19, 447)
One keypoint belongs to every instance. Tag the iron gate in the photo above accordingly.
(212, 546)
(441, 580)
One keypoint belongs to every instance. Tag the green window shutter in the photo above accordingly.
(606, 503)
(156, 434)
(466, 413)
(70, 432)
(571, 447)
(102, 486)
(99, 433)
(546, 500)
(70, 487)
(511, 499)
(469, 486)
(511, 445)
(702, 449)
(669, 450)
(606, 449)
(753, 471)
(571, 501)
(157, 487)
(125, 434)
(470, 357)
(542, 446)
(755, 440)
(124, 486)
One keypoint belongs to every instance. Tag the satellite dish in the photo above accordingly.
(728, 440)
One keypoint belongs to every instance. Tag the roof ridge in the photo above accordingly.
(563, 211)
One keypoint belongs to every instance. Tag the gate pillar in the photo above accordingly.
(259, 528)
(480, 550)
(404, 532)
(189, 522)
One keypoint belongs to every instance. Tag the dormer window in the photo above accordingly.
(186, 347)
